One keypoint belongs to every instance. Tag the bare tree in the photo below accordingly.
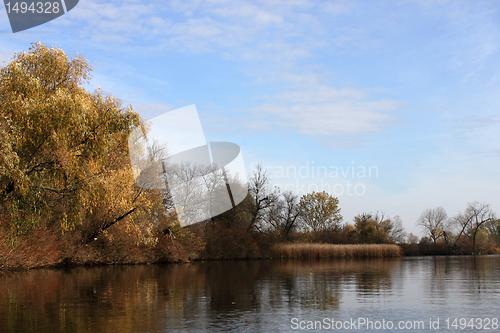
(462, 222)
(434, 221)
(263, 197)
(479, 214)
(283, 216)
(396, 231)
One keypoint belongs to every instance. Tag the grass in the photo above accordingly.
(316, 251)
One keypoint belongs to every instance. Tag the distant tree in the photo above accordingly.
(425, 241)
(367, 229)
(412, 239)
(462, 223)
(378, 229)
(396, 230)
(493, 228)
(263, 197)
(434, 222)
(479, 214)
(284, 215)
(320, 211)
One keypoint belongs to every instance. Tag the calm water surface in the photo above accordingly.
(255, 296)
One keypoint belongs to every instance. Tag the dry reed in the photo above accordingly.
(316, 251)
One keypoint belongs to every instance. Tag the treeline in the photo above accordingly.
(68, 194)
(315, 217)
(476, 230)
(312, 217)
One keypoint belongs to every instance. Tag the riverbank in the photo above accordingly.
(173, 252)
(42, 248)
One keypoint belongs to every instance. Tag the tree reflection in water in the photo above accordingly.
(231, 294)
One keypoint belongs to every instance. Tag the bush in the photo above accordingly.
(232, 243)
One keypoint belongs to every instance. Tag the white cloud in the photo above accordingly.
(273, 34)
(333, 118)
(318, 109)
(259, 16)
(244, 29)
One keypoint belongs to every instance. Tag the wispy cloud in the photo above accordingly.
(476, 135)
(204, 26)
(333, 118)
(474, 123)
(470, 35)
(316, 109)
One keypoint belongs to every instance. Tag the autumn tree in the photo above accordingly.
(376, 228)
(366, 228)
(434, 222)
(412, 239)
(493, 228)
(64, 161)
(320, 211)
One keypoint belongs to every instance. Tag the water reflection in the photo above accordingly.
(245, 295)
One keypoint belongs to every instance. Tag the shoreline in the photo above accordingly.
(71, 265)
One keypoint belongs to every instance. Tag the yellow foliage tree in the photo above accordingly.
(320, 211)
(64, 163)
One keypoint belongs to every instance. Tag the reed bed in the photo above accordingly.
(317, 251)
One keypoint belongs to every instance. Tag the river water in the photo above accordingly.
(422, 294)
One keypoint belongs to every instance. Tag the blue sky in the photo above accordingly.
(408, 88)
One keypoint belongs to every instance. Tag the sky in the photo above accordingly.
(392, 106)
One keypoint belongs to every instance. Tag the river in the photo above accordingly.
(424, 294)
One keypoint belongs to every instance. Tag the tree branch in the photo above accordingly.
(92, 237)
